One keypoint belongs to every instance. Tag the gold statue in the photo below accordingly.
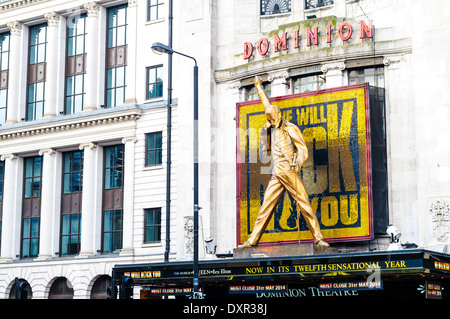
(284, 141)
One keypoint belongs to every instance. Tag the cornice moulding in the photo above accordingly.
(17, 4)
(60, 124)
(313, 57)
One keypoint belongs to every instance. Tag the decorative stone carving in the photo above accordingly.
(333, 66)
(189, 236)
(52, 18)
(93, 8)
(282, 76)
(440, 217)
(11, 5)
(48, 151)
(82, 123)
(390, 60)
(15, 27)
(132, 139)
(235, 85)
(89, 145)
(8, 156)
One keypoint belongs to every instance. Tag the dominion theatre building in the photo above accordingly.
(97, 152)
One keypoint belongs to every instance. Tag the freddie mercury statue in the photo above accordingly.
(284, 142)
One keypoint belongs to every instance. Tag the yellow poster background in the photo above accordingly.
(337, 174)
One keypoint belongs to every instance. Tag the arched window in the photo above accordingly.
(99, 289)
(12, 292)
(61, 289)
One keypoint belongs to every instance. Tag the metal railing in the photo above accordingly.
(312, 4)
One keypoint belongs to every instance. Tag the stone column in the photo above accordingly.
(130, 97)
(92, 44)
(128, 195)
(279, 81)
(334, 73)
(12, 207)
(88, 206)
(13, 116)
(49, 226)
(51, 73)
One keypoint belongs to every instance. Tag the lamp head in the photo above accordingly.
(210, 246)
(160, 48)
(393, 233)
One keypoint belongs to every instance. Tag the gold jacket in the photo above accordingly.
(285, 144)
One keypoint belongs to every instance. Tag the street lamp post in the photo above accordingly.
(160, 48)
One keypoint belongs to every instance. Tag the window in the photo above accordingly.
(112, 231)
(113, 199)
(4, 74)
(152, 225)
(70, 234)
(154, 82)
(61, 289)
(36, 72)
(308, 83)
(30, 237)
(275, 6)
(100, 287)
(33, 175)
(154, 149)
(312, 4)
(114, 167)
(31, 206)
(75, 64)
(154, 9)
(71, 203)
(252, 93)
(116, 59)
(12, 292)
(2, 178)
(373, 75)
(73, 172)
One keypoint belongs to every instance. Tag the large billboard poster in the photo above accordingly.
(337, 175)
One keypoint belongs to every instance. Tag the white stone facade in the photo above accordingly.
(410, 42)
(89, 130)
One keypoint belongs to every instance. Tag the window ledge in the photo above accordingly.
(276, 15)
(155, 21)
(151, 245)
(316, 9)
(156, 99)
(153, 167)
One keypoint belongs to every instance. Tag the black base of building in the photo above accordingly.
(409, 274)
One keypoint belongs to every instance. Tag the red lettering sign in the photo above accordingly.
(349, 31)
(312, 36)
(296, 39)
(345, 32)
(265, 42)
(329, 33)
(366, 30)
(248, 50)
(279, 41)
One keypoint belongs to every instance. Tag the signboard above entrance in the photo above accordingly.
(292, 38)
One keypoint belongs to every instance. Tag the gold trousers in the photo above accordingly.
(289, 181)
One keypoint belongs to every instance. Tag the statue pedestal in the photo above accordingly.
(283, 251)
